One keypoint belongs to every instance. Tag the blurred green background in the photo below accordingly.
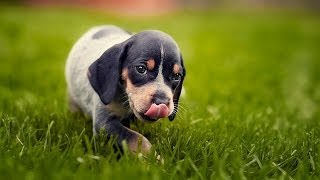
(252, 92)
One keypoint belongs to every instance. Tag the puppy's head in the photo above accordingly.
(150, 68)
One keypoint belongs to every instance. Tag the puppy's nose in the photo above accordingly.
(160, 98)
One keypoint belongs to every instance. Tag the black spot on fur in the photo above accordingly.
(100, 34)
(108, 30)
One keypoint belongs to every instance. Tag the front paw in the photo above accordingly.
(139, 144)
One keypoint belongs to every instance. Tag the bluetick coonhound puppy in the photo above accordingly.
(113, 76)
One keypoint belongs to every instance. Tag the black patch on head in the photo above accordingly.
(108, 30)
(147, 45)
(100, 34)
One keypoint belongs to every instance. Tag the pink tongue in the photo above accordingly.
(157, 111)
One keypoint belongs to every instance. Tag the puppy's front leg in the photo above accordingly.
(110, 123)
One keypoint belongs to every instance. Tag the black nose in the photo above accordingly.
(160, 98)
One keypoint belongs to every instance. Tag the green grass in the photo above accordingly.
(251, 110)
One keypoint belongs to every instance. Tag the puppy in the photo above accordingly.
(114, 76)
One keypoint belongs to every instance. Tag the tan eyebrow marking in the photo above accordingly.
(150, 64)
(124, 74)
(176, 68)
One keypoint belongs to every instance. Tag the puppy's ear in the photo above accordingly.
(177, 92)
(104, 73)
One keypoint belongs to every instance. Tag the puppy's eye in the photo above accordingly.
(141, 69)
(177, 77)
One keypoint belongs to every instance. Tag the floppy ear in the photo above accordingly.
(104, 73)
(177, 92)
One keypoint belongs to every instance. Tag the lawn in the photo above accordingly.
(251, 109)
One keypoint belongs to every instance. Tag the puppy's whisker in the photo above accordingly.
(180, 107)
(123, 97)
(181, 103)
(179, 115)
(184, 106)
(126, 104)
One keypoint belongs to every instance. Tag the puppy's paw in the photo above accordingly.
(139, 144)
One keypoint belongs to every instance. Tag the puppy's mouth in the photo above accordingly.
(153, 114)
(157, 111)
